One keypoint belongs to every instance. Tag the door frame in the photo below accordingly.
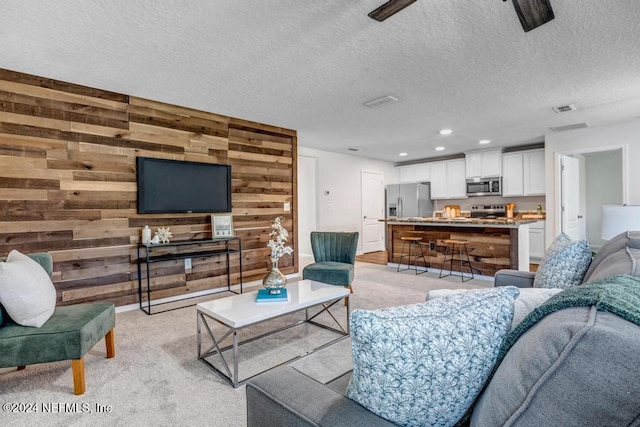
(580, 219)
(557, 220)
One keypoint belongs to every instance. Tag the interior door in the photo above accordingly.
(570, 197)
(372, 211)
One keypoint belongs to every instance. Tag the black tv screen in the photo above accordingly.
(172, 186)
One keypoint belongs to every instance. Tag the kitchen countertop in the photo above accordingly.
(462, 222)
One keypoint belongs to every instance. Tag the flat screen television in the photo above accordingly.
(172, 186)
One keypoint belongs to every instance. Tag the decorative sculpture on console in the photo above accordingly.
(163, 234)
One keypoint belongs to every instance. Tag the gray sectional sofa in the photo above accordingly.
(576, 366)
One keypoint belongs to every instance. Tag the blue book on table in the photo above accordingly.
(265, 296)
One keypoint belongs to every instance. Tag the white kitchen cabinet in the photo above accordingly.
(523, 173)
(492, 163)
(534, 173)
(485, 163)
(406, 174)
(448, 179)
(473, 162)
(536, 240)
(456, 182)
(439, 180)
(422, 172)
(512, 175)
(414, 173)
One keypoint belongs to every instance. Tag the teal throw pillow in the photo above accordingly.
(564, 264)
(424, 364)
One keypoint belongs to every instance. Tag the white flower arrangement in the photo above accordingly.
(279, 236)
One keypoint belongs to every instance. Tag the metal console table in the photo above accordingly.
(226, 246)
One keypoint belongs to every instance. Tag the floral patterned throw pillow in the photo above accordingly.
(424, 364)
(564, 264)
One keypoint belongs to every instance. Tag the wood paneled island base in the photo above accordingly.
(490, 248)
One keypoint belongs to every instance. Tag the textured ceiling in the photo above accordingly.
(309, 65)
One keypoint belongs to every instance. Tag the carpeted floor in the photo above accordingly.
(156, 378)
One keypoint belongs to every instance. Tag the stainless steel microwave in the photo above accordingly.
(484, 187)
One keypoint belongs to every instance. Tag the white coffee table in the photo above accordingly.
(239, 311)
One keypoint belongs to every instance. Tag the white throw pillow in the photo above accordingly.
(26, 290)
(441, 293)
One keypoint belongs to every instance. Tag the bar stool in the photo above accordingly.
(412, 254)
(450, 251)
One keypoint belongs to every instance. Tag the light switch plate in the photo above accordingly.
(187, 263)
(287, 206)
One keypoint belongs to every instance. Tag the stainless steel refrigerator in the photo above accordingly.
(409, 200)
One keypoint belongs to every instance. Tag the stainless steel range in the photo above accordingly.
(488, 211)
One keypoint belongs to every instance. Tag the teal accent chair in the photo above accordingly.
(334, 254)
(69, 334)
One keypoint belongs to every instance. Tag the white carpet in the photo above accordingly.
(156, 378)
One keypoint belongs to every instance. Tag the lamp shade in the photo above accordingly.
(617, 219)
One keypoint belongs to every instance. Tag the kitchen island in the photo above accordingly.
(494, 244)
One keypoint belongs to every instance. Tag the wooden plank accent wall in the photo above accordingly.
(68, 186)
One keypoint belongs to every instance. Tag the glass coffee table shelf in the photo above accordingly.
(240, 311)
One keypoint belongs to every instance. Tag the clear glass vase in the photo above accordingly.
(274, 280)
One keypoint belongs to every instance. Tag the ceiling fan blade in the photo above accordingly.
(533, 13)
(390, 8)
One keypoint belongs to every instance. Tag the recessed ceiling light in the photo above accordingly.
(402, 154)
(446, 132)
(484, 141)
(440, 148)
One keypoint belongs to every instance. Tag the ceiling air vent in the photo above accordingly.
(381, 101)
(570, 127)
(564, 108)
(353, 149)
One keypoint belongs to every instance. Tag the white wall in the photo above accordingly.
(339, 175)
(307, 202)
(624, 135)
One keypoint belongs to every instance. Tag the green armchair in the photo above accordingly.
(68, 335)
(334, 254)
